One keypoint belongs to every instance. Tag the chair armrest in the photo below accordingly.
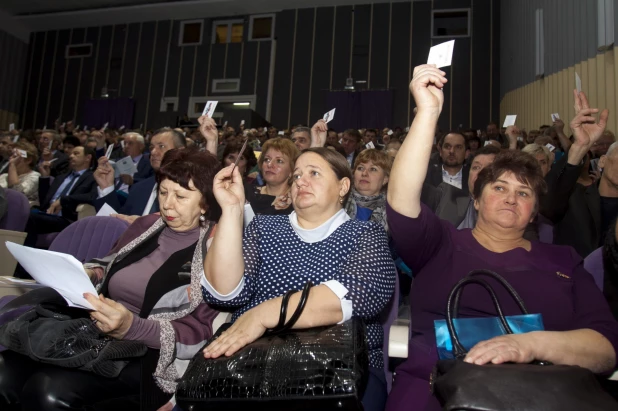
(398, 339)
(85, 210)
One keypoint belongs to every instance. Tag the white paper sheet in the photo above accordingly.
(62, 272)
(125, 166)
(106, 210)
(510, 120)
(550, 147)
(209, 108)
(441, 54)
(330, 115)
(578, 82)
(108, 153)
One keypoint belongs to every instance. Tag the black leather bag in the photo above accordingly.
(66, 337)
(538, 386)
(319, 368)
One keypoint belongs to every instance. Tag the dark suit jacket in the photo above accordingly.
(139, 194)
(446, 201)
(84, 192)
(434, 176)
(144, 169)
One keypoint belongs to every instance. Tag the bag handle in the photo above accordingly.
(458, 349)
(297, 313)
(501, 280)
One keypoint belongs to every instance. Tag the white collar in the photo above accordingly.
(321, 232)
(446, 173)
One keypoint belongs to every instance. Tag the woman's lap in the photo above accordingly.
(45, 387)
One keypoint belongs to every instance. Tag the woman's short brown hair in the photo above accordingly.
(523, 166)
(191, 164)
(283, 145)
(337, 163)
(30, 149)
(377, 157)
(234, 148)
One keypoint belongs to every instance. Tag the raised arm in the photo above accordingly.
(224, 265)
(319, 131)
(208, 128)
(410, 166)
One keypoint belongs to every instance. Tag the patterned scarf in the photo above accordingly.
(376, 203)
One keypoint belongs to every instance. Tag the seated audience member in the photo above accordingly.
(347, 260)
(350, 140)
(474, 144)
(301, 137)
(506, 196)
(20, 175)
(6, 151)
(392, 148)
(246, 163)
(69, 143)
(368, 197)
(134, 278)
(541, 154)
(276, 165)
(134, 146)
(371, 136)
(451, 167)
(332, 137)
(60, 198)
(532, 135)
(454, 204)
(48, 151)
(142, 196)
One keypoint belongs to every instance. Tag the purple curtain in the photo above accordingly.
(361, 109)
(115, 111)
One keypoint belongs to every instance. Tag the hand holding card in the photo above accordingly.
(209, 108)
(442, 54)
(330, 115)
(509, 120)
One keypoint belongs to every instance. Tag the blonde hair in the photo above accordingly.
(30, 149)
(377, 157)
(283, 145)
(534, 149)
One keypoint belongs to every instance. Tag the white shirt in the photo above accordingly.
(452, 180)
(308, 236)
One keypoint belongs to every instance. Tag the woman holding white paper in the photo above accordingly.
(150, 291)
(20, 175)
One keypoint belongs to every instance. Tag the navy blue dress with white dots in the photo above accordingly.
(356, 254)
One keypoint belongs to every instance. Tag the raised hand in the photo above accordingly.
(426, 87)
(319, 131)
(104, 174)
(45, 169)
(99, 137)
(586, 130)
(228, 188)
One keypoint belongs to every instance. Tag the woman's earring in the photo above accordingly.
(202, 218)
(340, 200)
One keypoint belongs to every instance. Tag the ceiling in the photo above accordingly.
(33, 7)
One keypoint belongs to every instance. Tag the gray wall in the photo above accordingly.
(370, 34)
(13, 56)
(570, 29)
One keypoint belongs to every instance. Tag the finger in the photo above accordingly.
(603, 118)
(584, 100)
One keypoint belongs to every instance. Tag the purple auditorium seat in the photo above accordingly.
(389, 315)
(90, 237)
(17, 212)
(594, 265)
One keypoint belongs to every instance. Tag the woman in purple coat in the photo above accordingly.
(580, 329)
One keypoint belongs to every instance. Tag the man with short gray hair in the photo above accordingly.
(302, 138)
(134, 147)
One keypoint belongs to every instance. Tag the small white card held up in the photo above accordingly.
(106, 211)
(266, 129)
(370, 145)
(209, 108)
(555, 116)
(487, 143)
(520, 139)
(23, 153)
(442, 54)
(122, 144)
(16, 139)
(11, 126)
(121, 128)
(550, 147)
(62, 272)
(390, 132)
(52, 160)
(108, 153)
(510, 120)
(242, 122)
(281, 133)
(105, 126)
(330, 115)
(578, 82)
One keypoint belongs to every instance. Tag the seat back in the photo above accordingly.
(594, 265)
(17, 212)
(389, 315)
(91, 237)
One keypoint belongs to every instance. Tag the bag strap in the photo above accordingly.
(502, 281)
(458, 349)
(304, 296)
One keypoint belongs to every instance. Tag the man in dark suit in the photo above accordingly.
(450, 169)
(61, 197)
(48, 150)
(142, 199)
(134, 146)
(350, 142)
(371, 136)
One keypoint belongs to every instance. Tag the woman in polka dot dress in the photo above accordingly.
(348, 259)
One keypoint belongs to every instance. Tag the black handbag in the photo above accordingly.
(318, 368)
(539, 386)
(65, 337)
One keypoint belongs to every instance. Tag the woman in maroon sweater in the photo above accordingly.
(551, 280)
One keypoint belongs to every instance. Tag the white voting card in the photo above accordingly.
(555, 116)
(509, 120)
(578, 82)
(60, 271)
(441, 54)
(330, 115)
(106, 211)
(209, 108)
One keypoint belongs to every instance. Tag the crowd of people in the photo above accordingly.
(234, 219)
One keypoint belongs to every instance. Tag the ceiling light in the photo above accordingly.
(242, 104)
